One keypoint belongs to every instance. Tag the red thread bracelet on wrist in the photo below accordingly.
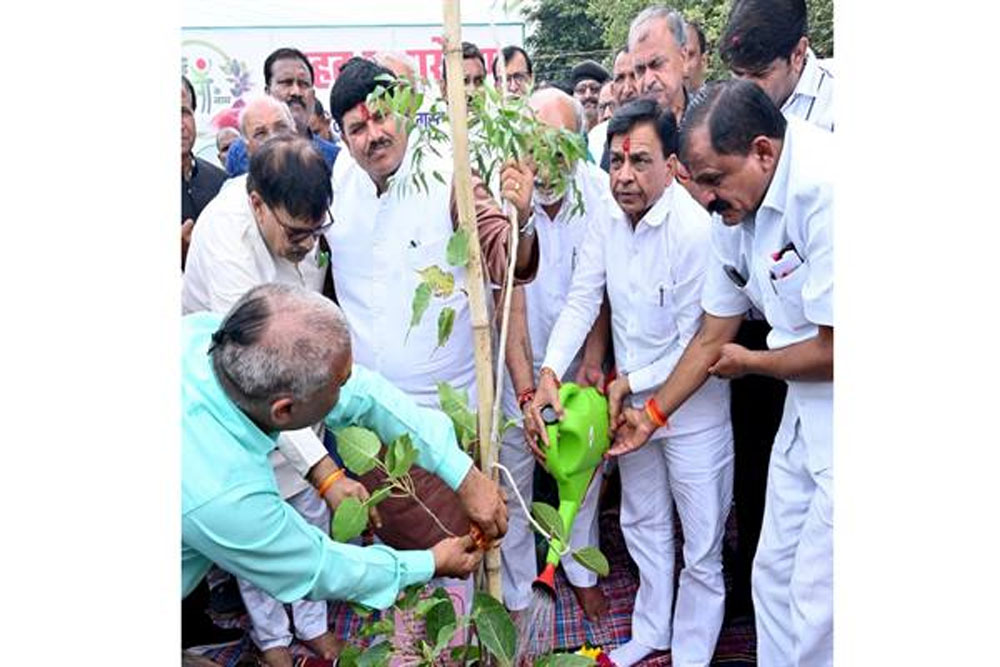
(525, 396)
(655, 414)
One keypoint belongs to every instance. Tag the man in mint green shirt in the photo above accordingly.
(281, 360)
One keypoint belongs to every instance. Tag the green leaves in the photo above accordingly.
(455, 404)
(400, 456)
(350, 520)
(440, 616)
(457, 253)
(358, 449)
(376, 656)
(421, 299)
(446, 321)
(592, 559)
(549, 519)
(378, 496)
(442, 283)
(564, 660)
(494, 627)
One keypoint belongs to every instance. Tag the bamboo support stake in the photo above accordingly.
(475, 284)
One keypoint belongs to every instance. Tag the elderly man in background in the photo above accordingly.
(657, 39)
(281, 360)
(586, 78)
(697, 58)
(223, 140)
(288, 78)
(200, 180)
(560, 232)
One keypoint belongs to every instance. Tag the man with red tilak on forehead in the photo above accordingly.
(651, 258)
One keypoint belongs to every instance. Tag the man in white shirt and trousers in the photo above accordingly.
(769, 182)
(651, 257)
(765, 41)
(559, 228)
(262, 227)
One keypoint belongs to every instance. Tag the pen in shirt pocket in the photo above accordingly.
(572, 261)
(661, 296)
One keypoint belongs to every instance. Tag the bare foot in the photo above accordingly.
(325, 646)
(279, 656)
(592, 600)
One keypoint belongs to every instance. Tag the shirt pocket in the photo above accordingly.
(786, 295)
(658, 313)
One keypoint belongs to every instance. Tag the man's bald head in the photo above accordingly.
(262, 118)
(557, 109)
(281, 343)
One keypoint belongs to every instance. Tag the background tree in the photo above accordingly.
(563, 35)
(711, 15)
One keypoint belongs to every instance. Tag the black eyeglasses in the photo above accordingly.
(296, 235)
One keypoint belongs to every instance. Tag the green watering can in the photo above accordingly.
(577, 445)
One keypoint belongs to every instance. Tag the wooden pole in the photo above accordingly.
(475, 284)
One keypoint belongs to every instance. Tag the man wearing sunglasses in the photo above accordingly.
(261, 228)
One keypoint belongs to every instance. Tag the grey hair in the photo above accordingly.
(264, 101)
(547, 95)
(278, 340)
(674, 19)
(387, 58)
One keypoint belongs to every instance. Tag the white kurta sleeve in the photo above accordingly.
(720, 296)
(583, 303)
(302, 448)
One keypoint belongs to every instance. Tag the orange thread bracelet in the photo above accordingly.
(329, 480)
(654, 413)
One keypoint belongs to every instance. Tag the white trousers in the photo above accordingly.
(792, 577)
(695, 472)
(268, 619)
(517, 550)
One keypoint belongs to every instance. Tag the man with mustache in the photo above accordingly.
(263, 228)
(651, 258)
(587, 78)
(385, 237)
(560, 231)
(765, 41)
(770, 182)
(656, 41)
(288, 77)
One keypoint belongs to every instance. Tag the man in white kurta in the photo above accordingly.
(384, 238)
(559, 228)
(770, 182)
(765, 41)
(651, 258)
(241, 242)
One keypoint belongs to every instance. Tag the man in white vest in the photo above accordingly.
(651, 258)
(560, 229)
(770, 183)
